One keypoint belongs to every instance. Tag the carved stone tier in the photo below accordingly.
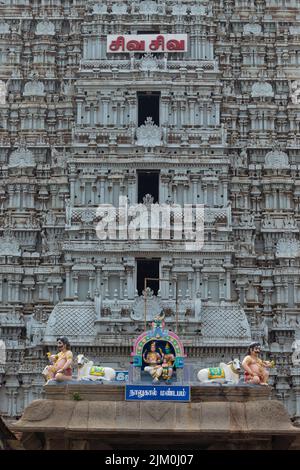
(199, 393)
(217, 418)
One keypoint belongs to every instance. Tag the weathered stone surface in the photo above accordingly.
(7, 438)
(143, 416)
(199, 393)
(212, 421)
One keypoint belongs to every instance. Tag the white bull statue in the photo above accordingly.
(225, 373)
(87, 370)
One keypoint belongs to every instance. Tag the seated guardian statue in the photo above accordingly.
(255, 368)
(61, 363)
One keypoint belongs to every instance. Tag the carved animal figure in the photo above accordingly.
(87, 370)
(225, 373)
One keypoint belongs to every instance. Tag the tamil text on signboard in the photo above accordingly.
(157, 392)
(147, 43)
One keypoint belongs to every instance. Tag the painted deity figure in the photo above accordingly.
(153, 359)
(255, 368)
(168, 363)
(60, 367)
(158, 325)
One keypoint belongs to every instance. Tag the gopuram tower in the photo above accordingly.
(160, 103)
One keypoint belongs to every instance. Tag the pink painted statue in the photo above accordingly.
(255, 368)
(61, 363)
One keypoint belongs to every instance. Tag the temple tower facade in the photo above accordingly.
(170, 105)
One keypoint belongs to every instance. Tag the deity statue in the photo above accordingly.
(61, 363)
(158, 325)
(168, 363)
(255, 368)
(295, 91)
(244, 157)
(154, 360)
(44, 240)
(224, 133)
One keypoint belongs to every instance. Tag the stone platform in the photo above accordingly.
(94, 416)
(116, 392)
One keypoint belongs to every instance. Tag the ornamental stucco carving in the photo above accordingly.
(294, 30)
(119, 9)
(148, 7)
(197, 9)
(296, 353)
(252, 29)
(276, 159)
(288, 248)
(247, 220)
(88, 216)
(9, 246)
(153, 307)
(45, 28)
(262, 89)
(34, 88)
(2, 92)
(4, 28)
(295, 91)
(179, 9)
(100, 8)
(21, 158)
(149, 63)
(149, 134)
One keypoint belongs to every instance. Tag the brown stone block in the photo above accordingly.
(188, 416)
(155, 415)
(56, 442)
(238, 420)
(43, 414)
(31, 441)
(128, 415)
(102, 415)
(215, 416)
(268, 416)
(79, 420)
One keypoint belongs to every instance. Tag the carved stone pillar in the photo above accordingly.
(105, 281)
(205, 286)
(132, 189)
(222, 287)
(130, 282)
(98, 281)
(75, 286)
(204, 186)
(164, 188)
(121, 287)
(91, 285)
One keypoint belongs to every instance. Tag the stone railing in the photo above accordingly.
(148, 63)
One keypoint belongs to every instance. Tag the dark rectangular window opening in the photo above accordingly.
(147, 268)
(148, 106)
(148, 183)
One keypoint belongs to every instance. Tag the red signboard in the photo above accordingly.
(147, 43)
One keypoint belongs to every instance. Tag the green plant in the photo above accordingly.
(76, 396)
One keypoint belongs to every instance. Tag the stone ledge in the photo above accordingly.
(218, 417)
(266, 417)
(116, 392)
